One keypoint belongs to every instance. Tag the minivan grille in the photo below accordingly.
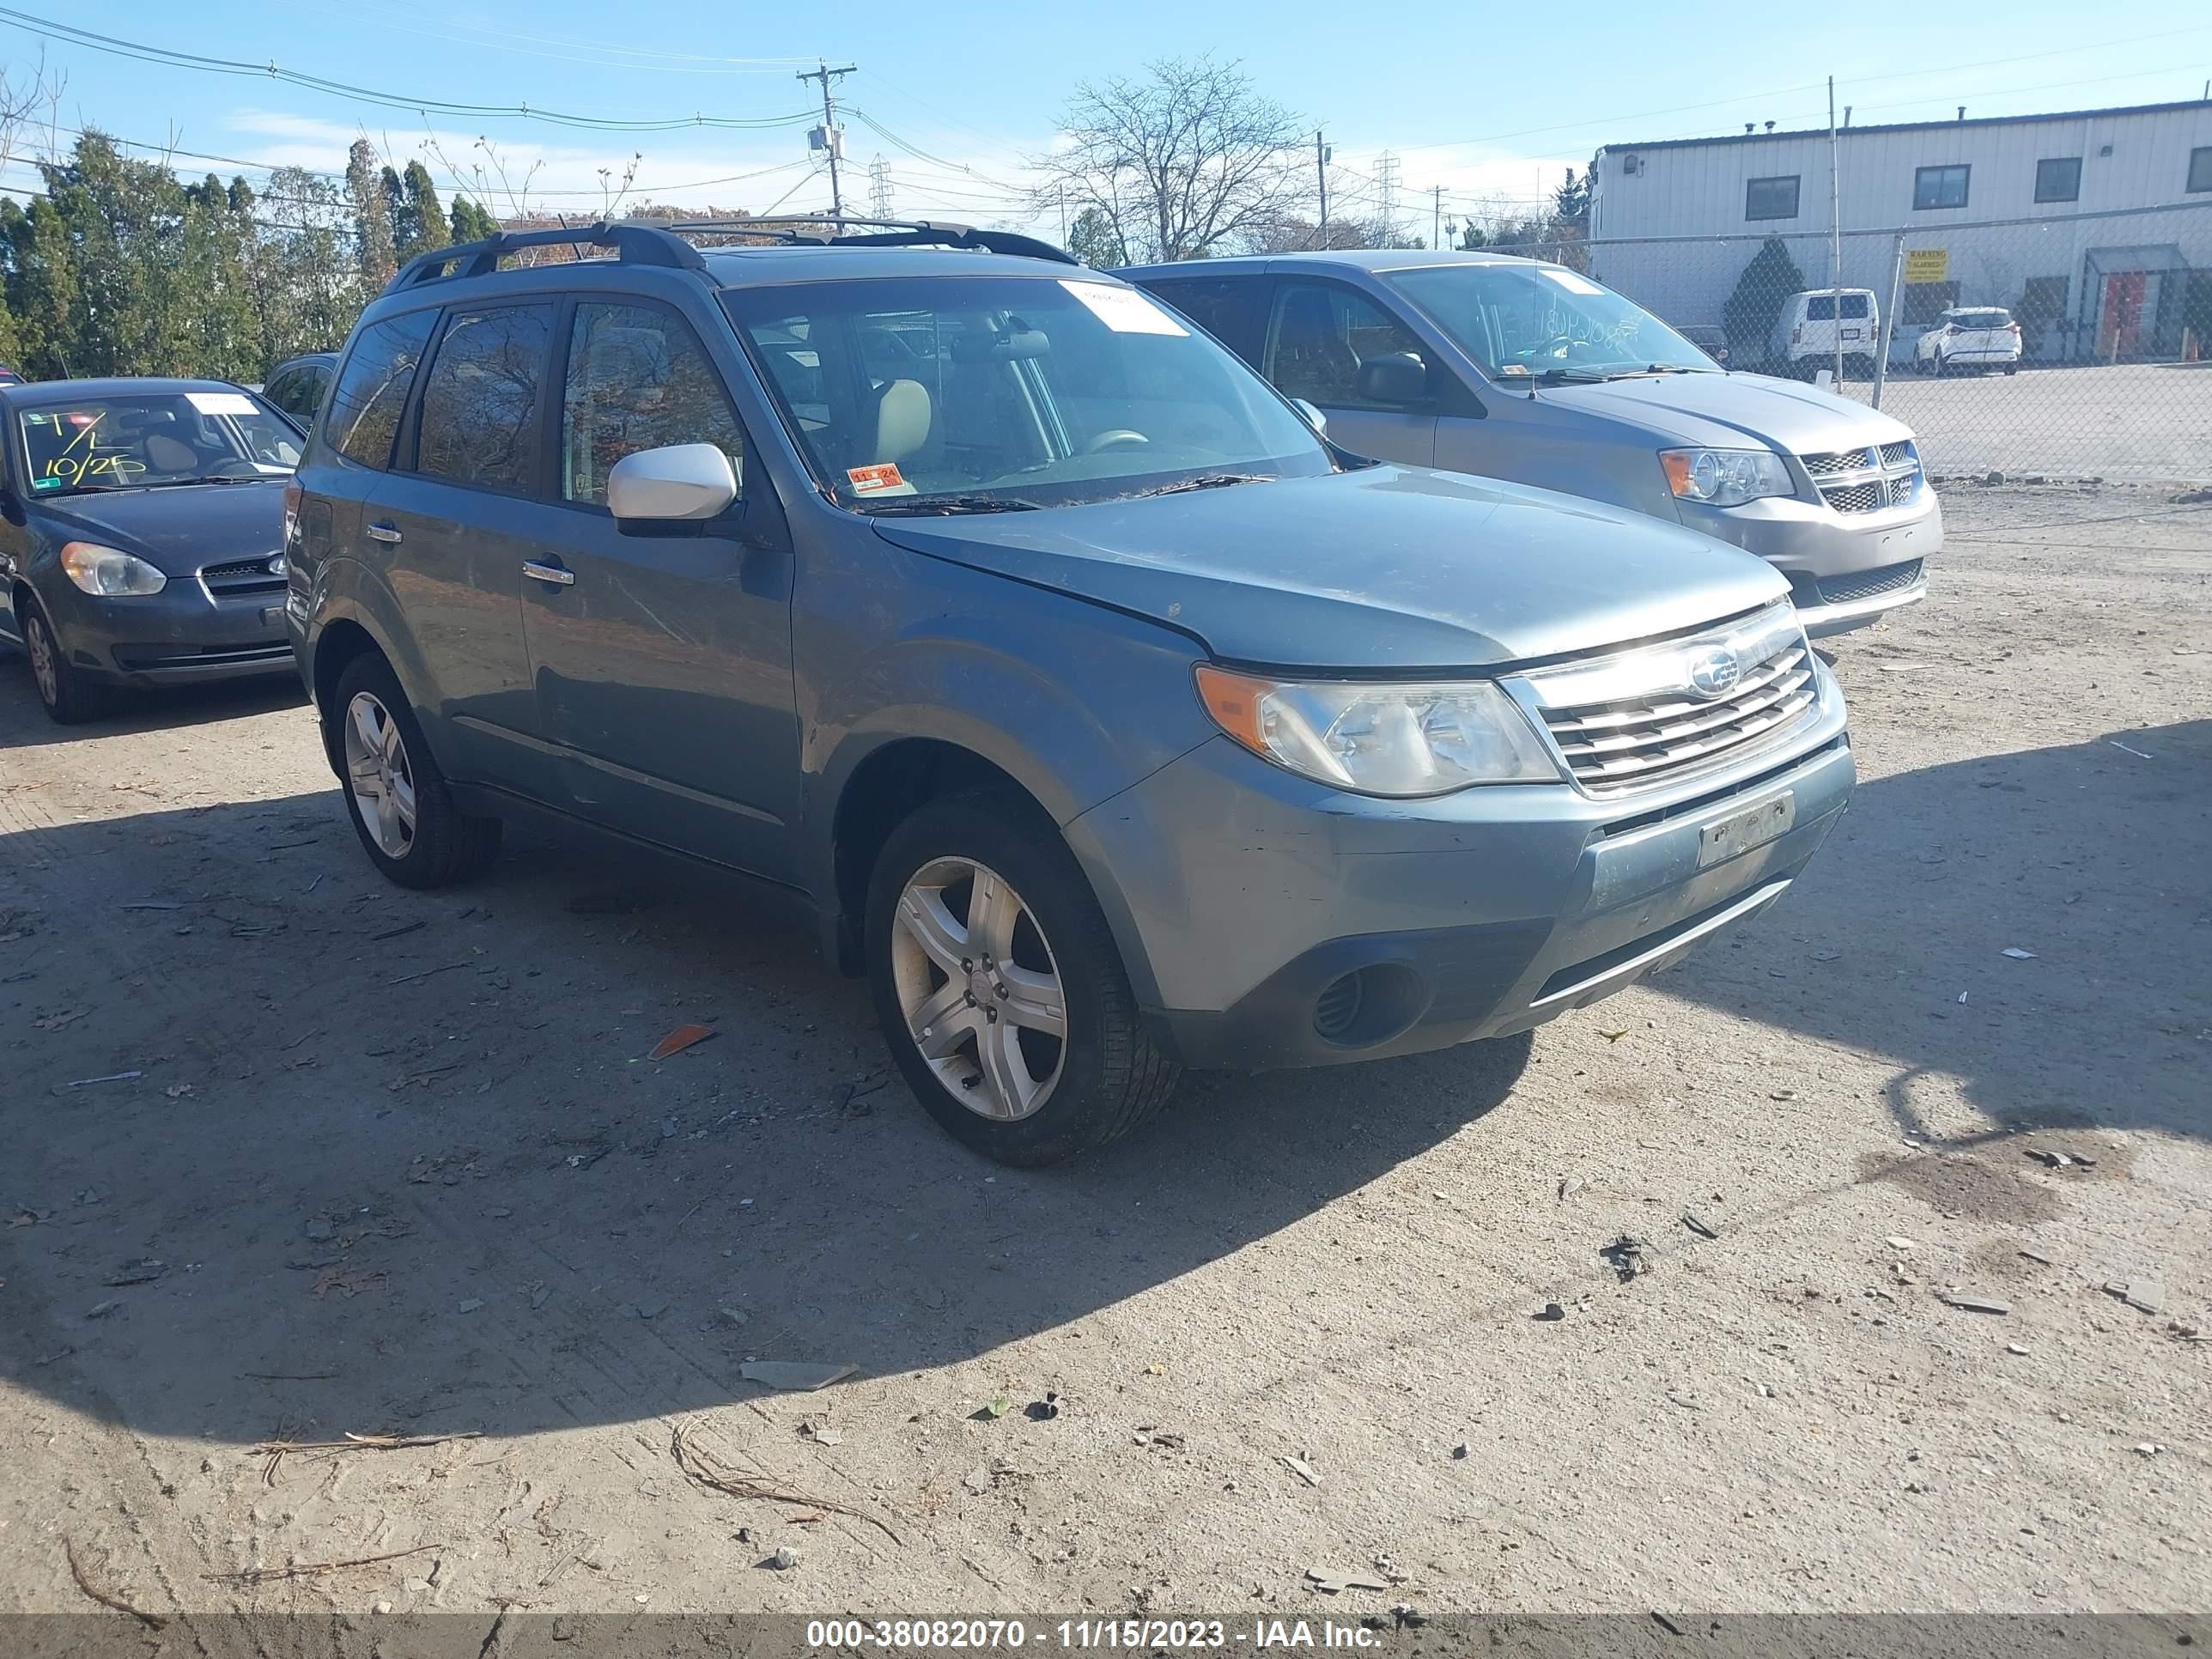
(1866, 480)
(1652, 725)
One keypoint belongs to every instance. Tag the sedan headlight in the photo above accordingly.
(1725, 477)
(1394, 740)
(109, 571)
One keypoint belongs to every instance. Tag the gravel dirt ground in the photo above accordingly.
(380, 1163)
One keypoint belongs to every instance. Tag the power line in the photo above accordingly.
(115, 47)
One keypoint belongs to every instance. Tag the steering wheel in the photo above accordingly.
(1119, 437)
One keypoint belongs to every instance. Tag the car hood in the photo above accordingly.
(176, 530)
(1734, 410)
(1385, 568)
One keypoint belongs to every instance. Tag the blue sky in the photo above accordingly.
(1489, 103)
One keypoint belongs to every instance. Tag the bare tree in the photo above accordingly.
(1179, 163)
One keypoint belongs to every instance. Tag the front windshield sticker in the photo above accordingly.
(1124, 310)
(1573, 283)
(223, 403)
(882, 479)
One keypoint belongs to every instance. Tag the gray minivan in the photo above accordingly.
(1105, 716)
(1516, 368)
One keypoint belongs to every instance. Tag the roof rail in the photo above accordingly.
(879, 233)
(634, 243)
(641, 242)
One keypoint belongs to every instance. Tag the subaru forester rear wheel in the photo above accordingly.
(999, 987)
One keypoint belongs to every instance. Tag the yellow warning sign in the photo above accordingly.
(1927, 265)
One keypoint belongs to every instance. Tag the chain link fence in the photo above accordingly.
(2067, 347)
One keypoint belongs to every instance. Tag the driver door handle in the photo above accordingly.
(548, 573)
(383, 533)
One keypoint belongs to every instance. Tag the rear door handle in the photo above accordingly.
(548, 573)
(383, 533)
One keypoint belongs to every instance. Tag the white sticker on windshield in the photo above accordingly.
(223, 403)
(1573, 283)
(1124, 310)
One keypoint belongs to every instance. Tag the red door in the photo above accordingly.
(2121, 331)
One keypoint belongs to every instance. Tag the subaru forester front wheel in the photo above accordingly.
(999, 987)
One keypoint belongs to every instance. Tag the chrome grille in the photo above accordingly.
(1866, 480)
(240, 578)
(1632, 722)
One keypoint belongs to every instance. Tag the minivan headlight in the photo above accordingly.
(1402, 740)
(1725, 477)
(109, 571)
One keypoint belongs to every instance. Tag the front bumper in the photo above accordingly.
(1269, 922)
(1845, 569)
(178, 635)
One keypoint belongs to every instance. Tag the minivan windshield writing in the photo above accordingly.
(951, 393)
(1544, 320)
(144, 440)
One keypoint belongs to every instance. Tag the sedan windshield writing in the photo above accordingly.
(148, 440)
(1534, 319)
(975, 393)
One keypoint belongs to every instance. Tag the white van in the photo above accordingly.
(1806, 332)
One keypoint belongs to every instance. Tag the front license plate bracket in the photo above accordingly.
(1747, 827)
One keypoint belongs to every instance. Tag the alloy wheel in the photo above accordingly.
(379, 774)
(982, 993)
(44, 669)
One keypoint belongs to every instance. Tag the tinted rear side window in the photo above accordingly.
(372, 391)
(1225, 308)
(479, 421)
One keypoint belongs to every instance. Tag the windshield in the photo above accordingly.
(1537, 320)
(145, 439)
(949, 393)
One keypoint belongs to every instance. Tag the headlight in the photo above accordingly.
(1725, 477)
(1395, 740)
(110, 572)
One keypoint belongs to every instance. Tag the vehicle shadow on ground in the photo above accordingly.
(135, 710)
(2096, 857)
(403, 1165)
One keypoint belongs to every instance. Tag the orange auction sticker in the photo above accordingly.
(867, 480)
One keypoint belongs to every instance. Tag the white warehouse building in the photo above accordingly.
(2093, 226)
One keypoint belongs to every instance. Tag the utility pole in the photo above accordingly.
(1437, 215)
(826, 136)
(1321, 169)
(1835, 234)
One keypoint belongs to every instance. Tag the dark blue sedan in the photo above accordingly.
(141, 535)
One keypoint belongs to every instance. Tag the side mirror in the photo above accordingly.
(1314, 418)
(683, 482)
(1398, 377)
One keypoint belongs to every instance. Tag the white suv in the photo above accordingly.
(1978, 337)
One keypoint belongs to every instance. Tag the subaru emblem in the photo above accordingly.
(1714, 673)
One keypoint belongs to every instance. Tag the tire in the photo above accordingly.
(1096, 1081)
(65, 692)
(400, 806)
(2012, 368)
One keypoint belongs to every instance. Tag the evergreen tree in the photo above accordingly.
(426, 220)
(372, 214)
(1091, 238)
(471, 223)
(405, 234)
(1748, 316)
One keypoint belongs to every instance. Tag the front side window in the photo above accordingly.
(152, 439)
(638, 378)
(1544, 320)
(2199, 168)
(479, 422)
(975, 393)
(1940, 187)
(1319, 337)
(2058, 178)
(1771, 199)
(371, 389)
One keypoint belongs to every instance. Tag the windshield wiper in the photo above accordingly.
(1204, 481)
(213, 478)
(912, 505)
(1575, 372)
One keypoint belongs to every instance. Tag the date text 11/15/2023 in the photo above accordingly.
(1138, 1635)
